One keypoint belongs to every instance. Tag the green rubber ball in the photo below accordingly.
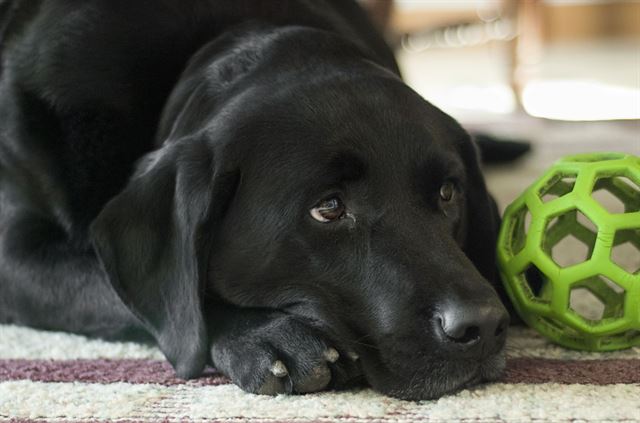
(569, 252)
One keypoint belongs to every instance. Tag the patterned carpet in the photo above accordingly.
(48, 376)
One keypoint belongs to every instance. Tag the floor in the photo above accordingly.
(471, 84)
(51, 376)
(571, 81)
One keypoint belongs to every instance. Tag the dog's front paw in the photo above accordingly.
(282, 356)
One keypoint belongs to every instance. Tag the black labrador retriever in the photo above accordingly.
(249, 183)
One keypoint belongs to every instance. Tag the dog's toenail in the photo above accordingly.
(352, 355)
(331, 355)
(279, 369)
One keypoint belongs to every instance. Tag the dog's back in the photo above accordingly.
(100, 72)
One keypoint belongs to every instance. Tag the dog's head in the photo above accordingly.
(341, 197)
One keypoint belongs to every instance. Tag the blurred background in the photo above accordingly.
(561, 74)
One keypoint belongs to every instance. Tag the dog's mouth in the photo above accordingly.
(489, 370)
(438, 378)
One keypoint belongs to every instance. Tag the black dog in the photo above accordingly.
(250, 183)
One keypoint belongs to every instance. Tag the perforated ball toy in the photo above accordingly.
(569, 252)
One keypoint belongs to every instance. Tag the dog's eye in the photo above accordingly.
(328, 210)
(447, 191)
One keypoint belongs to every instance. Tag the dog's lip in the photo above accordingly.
(493, 367)
(489, 369)
(486, 371)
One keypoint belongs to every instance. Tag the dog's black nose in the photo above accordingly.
(473, 329)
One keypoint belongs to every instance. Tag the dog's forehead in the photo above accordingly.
(340, 128)
(353, 130)
(363, 109)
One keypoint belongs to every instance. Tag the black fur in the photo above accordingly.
(158, 162)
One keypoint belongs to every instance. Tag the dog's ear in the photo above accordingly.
(152, 240)
(483, 219)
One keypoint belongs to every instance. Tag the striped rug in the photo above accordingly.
(47, 376)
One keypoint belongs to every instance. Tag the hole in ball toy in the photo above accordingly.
(569, 238)
(617, 194)
(537, 283)
(611, 285)
(597, 298)
(585, 304)
(519, 227)
(569, 251)
(559, 185)
(586, 222)
(626, 250)
(609, 201)
(527, 221)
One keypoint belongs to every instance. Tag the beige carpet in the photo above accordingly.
(47, 376)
